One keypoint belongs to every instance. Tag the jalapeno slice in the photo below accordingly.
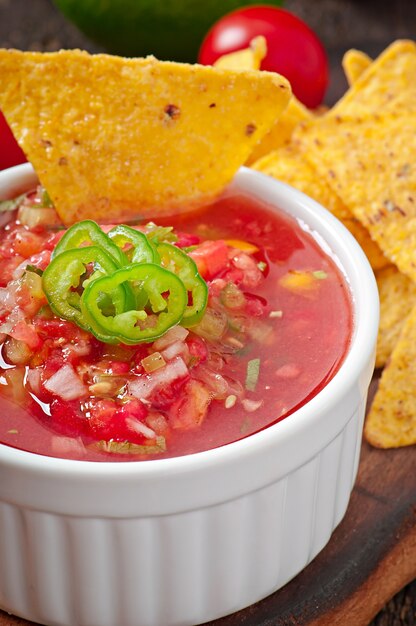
(166, 302)
(139, 248)
(63, 282)
(179, 263)
(88, 232)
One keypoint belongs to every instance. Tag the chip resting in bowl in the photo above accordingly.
(157, 137)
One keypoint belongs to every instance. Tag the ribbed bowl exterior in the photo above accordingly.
(200, 564)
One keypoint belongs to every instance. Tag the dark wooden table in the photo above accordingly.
(369, 25)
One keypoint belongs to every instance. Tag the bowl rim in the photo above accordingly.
(359, 355)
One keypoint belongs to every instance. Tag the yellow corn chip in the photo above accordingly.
(370, 164)
(111, 137)
(388, 85)
(289, 166)
(281, 133)
(397, 299)
(355, 63)
(391, 421)
(247, 59)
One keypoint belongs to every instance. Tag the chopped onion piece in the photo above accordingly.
(251, 405)
(143, 386)
(174, 334)
(175, 349)
(141, 428)
(68, 445)
(66, 384)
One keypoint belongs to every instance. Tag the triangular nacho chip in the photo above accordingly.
(355, 63)
(369, 162)
(387, 86)
(391, 421)
(365, 146)
(280, 134)
(290, 166)
(397, 298)
(116, 138)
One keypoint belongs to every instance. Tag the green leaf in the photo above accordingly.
(252, 376)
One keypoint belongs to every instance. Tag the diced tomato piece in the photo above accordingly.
(118, 368)
(8, 267)
(53, 240)
(255, 305)
(110, 421)
(190, 410)
(67, 418)
(252, 274)
(186, 239)
(211, 258)
(197, 349)
(163, 397)
(26, 332)
(27, 243)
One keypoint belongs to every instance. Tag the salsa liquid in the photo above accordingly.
(296, 321)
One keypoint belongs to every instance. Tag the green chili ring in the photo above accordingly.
(178, 262)
(141, 252)
(88, 232)
(61, 282)
(136, 325)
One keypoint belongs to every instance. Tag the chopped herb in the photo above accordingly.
(34, 269)
(11, 205)
(252, 376)
(126, 447)
(320, 274)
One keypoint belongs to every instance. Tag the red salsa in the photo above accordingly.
(276, 325)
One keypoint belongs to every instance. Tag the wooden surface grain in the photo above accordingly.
(372, 555)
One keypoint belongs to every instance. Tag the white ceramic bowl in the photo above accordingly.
(190, 539)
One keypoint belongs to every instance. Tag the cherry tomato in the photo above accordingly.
(293, 49)
(10, 153)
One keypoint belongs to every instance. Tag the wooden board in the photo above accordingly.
(370, 557)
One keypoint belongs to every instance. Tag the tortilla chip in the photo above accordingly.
(397, 298)
(388, 85)
(281, 133)
(370, 164)
(355, 63)
(290, 166)
(391, 422)
(113, 138)
(247, 59)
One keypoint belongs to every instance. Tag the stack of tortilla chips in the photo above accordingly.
(359, 160)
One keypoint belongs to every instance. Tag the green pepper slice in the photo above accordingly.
(178, 262)
(166, 303)
(62, 282)
(88, 232)
(141, 251)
